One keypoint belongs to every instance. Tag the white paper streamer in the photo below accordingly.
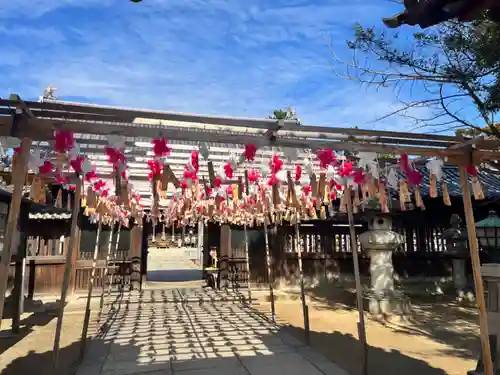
(368, 160)
(36, 160)
(290, 154)
(308, 167)
(435, 167)
(281, 175)
(204, 150)
(392, 179)
(116, 141)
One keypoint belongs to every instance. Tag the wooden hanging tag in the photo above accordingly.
(433, 193)
(170, 175)
(321, 187)
(247, 185)
(234, 189)
(291, 191)
(446, 195)
(197, 190)
(211, 174)
(419, 202)
(382, 196)
(477, 189)
(276, 195)
(240, 187)
(165, 177)
(58, 203)
(322, 213)
(314, 186)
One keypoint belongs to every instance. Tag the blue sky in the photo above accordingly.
(241, 58)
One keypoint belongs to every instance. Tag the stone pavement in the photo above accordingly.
(196, 332)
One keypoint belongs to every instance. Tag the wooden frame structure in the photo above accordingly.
(37, 121)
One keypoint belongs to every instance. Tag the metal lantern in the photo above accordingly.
(488, 231)
(488, 235)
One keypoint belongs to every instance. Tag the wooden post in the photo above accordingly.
(19, 284)
(476, 271)
(305, 310)
(247, 261)
(106, 267)
(67, 268)
(112, 277)
(359, 288)
(86, 321)
(269, 273)
(18, 177)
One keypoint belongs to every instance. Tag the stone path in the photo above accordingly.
(171, 265)
(196, 332)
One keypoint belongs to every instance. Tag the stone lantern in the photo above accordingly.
(457, 246)
(379, 242)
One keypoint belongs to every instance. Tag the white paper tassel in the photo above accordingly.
(435, 167)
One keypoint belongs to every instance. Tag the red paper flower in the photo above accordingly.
(64, 141)
(195, 161)
(90, 175)
(228, 170)
(114, 155)
(345, 169)
(358, 176)
(306, 189)
(414, 177)
(160, 147)
(250, 151)
(404, 163)
(155, 168)
(46, 168)
(273, 180)
(275, 164)
(326, 157)
(99, 185)
(472, 171)
(253, 175)
(218, 182)
(298, 172)
(77, 163)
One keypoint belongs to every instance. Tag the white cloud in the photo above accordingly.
(205, 56)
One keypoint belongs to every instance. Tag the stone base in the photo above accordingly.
(395, 304)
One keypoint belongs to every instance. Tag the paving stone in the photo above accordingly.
(164, 331)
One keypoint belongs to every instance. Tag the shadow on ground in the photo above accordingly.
(41, 315)
(345, 351)
(439, 318)
(174, 275)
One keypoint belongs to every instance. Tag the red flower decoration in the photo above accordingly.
(345, 169)
(218, 182)
(114, 155)
(472, 171)
(228, 170)
(155, 168)
(195, 161)
(326, 157)
(414, 177)
(306, 189)
(77, 163)
(160, 147)
(359, 176)
(404, 163)
(253, 175)
(91, 175)
(46, 168)
(64, 141)
(298, 172)
(250, 151)
(275, 164)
